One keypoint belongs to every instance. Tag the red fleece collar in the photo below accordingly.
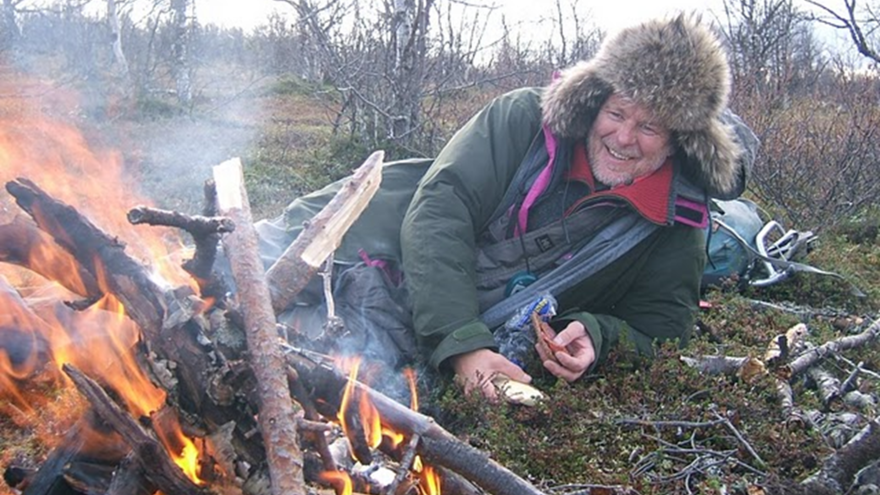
(649, 195)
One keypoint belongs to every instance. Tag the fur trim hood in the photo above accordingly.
(678, 69)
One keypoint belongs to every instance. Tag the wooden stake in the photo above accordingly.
(276, 413)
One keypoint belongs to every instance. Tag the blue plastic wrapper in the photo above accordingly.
(516, 339)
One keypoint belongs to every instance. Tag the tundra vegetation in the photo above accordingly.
(304, 97)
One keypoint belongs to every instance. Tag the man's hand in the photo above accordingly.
(476, 369)
(580, 353)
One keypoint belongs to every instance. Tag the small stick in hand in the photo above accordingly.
(544, 338)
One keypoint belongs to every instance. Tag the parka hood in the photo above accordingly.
(677, 69)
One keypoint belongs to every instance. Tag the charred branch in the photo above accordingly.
(302, 259)
(276, 413)
(204, 230)
(196, 225)
(23, 244)
(96, 252)
(44, 480)
(157, 465)
(311, 414)
(130, 479)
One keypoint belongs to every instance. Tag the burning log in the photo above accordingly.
(158, 467)
(97, 253)
(276, 416)
(201, 381)
(22, 244)
(301, 260)
(437, 446)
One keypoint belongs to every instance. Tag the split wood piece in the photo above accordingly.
(813, 356)
(323, 234)
(838, 471)
(276, 413)
(204, 230)
(157, 465)
(23, 244)
(437, 447)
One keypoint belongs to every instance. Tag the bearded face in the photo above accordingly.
(625, 142)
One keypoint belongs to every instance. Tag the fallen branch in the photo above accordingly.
(276, 413)
(827, 384)
(813, 356)
(323, 234)
(838, 471)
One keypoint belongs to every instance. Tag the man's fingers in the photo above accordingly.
(562, 372)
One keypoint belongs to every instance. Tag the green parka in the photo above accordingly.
(649, 294)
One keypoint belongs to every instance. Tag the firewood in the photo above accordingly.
(157, 465)
(276, 413)
(301, 260)
(437, 446)
(44, 480)
(175, 352)
(811, 357)
(195, 225)
(310, 413)
(838, 470)
(23, 244)
(130, 479)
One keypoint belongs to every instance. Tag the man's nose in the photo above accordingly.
(626, 134)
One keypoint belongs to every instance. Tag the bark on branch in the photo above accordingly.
(813, 356)
(276, 417)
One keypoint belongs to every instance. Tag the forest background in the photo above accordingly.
(306, 96)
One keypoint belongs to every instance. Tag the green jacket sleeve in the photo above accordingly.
(656, 297)
(456, 197)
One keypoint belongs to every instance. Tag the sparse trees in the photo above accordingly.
(860, 23)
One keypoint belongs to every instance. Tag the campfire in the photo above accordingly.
(186, 387)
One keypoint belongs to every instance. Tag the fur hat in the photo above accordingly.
(677, 69)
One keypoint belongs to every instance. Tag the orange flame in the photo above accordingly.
(410, 375)
(369, 416)
(47, 334)
(339, 480)
(429, 481)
